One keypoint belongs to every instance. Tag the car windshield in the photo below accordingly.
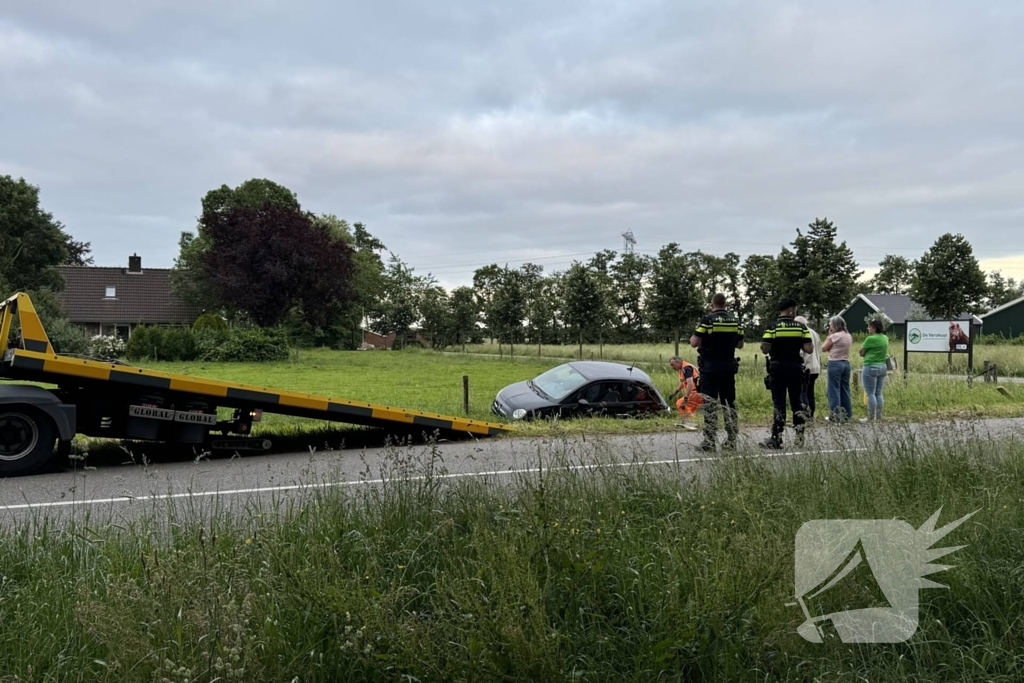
(559, 382)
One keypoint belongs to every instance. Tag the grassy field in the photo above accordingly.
(1009, 357)
(430, 381)
(619, 574)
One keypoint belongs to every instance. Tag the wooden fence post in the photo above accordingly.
(465, 393)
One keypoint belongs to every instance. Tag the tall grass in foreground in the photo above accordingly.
(617, 573)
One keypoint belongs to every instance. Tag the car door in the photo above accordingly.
(613, 401)
(585, 401)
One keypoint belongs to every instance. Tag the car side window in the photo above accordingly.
(644, 393)
(613, 393)
(592, 393)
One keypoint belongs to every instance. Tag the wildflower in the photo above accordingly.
(622, 512)
(701, 507)
(599, 530)
(555, 526)
(732, 522)
(248, 541)
(401, 566)
(259, 516)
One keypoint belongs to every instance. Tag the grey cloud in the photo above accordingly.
(492, 129)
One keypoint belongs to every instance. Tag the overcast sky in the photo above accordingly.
(464, 133)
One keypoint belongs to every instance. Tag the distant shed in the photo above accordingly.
(895, 307)
(1006, 320)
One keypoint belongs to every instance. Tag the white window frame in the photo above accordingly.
(110, 292)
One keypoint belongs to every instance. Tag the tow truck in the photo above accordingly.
(111, 399)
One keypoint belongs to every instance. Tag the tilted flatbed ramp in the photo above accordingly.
(81, 381)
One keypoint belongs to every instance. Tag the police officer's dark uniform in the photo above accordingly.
(720, 332)
(785, 374)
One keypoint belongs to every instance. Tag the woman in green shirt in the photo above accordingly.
(875, 351)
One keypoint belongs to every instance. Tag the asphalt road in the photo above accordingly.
(119, 489)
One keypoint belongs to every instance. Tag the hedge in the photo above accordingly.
(209, 343)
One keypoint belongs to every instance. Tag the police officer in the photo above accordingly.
(782, 342)
(716, 339)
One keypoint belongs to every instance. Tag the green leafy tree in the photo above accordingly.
(465, 314)
(32, 242)
(819, 272)
(675, 304)
(398, 307)
(435, 316)
(368, 279)
(947, 279)
(508, 307)
(554, 289)
(762, 289)
(581, 302)
(538, 303)
(718, 274)
(1001, 290)
(485, 281)
(630, 275)
(600, 265)
(893, 277)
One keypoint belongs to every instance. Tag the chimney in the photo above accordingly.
(135, 264)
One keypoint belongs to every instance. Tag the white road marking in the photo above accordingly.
(362, 482)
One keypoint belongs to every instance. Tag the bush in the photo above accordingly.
(162, 344)
(144, 343)
(107, 346)
(209, 321)
(245, 345)
(251, 345)
(67, 338)
(178, 344)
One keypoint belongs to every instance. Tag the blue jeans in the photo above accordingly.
(874, 378)
(838, 389)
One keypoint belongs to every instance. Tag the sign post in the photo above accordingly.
(939, 336)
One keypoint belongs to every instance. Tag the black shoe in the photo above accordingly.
(730, 444)
(771, 444)
(706, 447)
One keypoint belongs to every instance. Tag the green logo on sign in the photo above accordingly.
(915, 336)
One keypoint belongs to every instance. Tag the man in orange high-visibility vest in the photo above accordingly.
(690, 403)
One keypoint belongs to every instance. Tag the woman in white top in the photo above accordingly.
(812, 368)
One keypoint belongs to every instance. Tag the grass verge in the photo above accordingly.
(632, 572)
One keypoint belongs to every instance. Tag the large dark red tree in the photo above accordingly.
(263, 260)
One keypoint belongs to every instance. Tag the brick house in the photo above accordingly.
(113, 300)
(377, 341)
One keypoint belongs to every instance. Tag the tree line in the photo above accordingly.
(258, 257)
(327, 276)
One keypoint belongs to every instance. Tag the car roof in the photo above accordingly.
(593, 369)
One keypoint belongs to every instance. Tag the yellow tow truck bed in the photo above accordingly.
(95, 397)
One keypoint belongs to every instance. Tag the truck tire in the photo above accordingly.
(27, 439)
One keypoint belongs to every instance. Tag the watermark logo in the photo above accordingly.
(859, 579)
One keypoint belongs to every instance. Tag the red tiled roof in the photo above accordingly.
(141, 297)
